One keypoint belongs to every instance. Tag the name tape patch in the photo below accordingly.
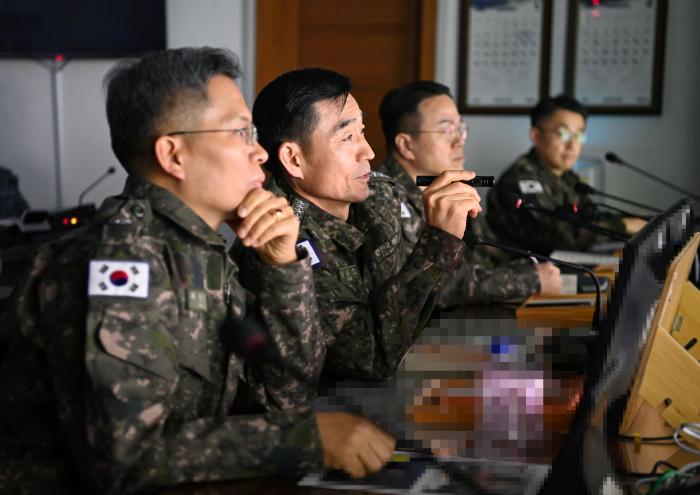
(118, 278)
(387, 248)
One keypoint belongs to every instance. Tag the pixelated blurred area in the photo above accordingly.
(479, 388)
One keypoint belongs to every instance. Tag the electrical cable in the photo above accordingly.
(690, 429)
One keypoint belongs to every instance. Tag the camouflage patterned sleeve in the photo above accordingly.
(474, 284)
(286, 301)
(147, 412)
(373, 340)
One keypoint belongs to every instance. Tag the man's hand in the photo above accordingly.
(353, 443)
(449, 202)
(267, 223)
(550, 279)
(633, 225)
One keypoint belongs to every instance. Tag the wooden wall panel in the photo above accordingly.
(379, 44)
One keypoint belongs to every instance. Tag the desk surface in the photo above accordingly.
(478, 387)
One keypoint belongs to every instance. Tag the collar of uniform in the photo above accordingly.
(393, 169)
(317, 221)
(279, 186)
(532, 159)
(568, 176)
(322, 223)
(172, 207)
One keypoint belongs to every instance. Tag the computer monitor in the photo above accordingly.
(582, 465)
(73, 28)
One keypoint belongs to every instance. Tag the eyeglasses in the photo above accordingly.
(452, 131)
(565, 135)
(249, 133)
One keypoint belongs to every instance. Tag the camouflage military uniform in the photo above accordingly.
(480, 278)
(538, 185)
(372, 301)
(126, 394)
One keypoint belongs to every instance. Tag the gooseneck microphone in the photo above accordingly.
(516, 202)
(582, 188)
(472, 240)
(613, 158)
(89, 188)
(614, 209)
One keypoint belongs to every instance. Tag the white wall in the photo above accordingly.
(26, 121)
(664, 145)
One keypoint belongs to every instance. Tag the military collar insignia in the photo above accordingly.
(299, 207)
(374, 175)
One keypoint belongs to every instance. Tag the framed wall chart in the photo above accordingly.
(615, 54)
(504, 55)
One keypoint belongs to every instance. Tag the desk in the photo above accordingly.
(475, 387)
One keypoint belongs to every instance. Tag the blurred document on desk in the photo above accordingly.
(583, 258)
(447, 476)
(607, 247)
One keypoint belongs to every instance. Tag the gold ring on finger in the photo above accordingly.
(276, 214)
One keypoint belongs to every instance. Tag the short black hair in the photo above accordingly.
(399, 108)
(548, 105)
(144, 93)
(284, 109)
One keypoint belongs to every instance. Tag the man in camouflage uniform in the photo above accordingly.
(544, 177)
(425, 136)
(372, 300)
(118, 378)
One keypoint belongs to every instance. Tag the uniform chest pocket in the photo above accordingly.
(135, 357)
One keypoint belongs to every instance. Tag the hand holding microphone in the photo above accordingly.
(448, 202)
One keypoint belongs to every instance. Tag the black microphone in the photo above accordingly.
(478, 181)
(591, 210)
(582, 188)
(247, 340)
(513, 201)
(472, 240)
(613, 158)
(89, 188)
(617, 211)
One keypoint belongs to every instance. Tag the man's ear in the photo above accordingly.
(404, 146)
(169, 151)
(535, 135)
(291, 156)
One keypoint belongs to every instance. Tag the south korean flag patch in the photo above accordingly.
(118, 278)
(530, 187)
